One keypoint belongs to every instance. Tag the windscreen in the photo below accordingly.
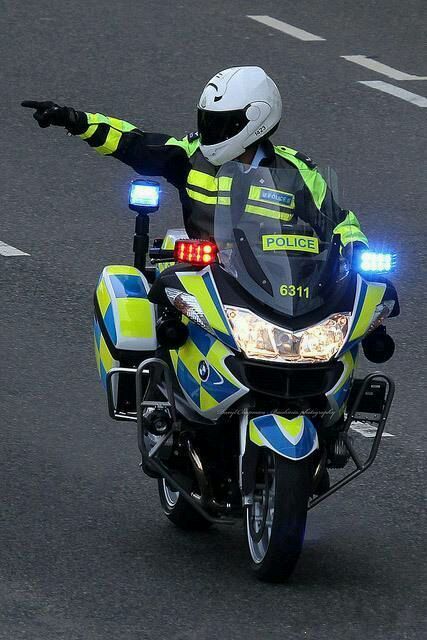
(275, 231)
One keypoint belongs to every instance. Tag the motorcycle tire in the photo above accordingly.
(275, 522)
(179, 511)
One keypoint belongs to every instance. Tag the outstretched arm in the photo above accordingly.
(154, 154)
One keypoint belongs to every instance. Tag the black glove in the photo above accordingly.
(48, 113)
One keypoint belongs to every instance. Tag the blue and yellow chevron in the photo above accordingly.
(368, 296)
(205, 380)
(128, 315)
(294, 439)
(338, 395)
(104, 359)
(202, 285)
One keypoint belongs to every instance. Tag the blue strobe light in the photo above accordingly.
(374, 262)
(144, 195)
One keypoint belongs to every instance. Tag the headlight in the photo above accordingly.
(263, 340)
(188, 306)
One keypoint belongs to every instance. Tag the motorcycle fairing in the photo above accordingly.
(368, 296)
(208, 385)
(338, 395)
(201, 285)
(294, 439)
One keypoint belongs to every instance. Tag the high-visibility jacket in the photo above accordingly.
(181, 162)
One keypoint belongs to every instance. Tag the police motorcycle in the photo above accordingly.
(236, 357)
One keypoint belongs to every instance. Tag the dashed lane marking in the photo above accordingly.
(295, 32)
(384, 69)
(385, 87)
(7, 250)
(368, 430)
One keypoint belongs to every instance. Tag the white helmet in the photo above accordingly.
(238, 106)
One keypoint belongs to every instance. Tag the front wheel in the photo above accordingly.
(179, 511)
(275, 522)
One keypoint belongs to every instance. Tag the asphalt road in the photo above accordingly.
(85, 552)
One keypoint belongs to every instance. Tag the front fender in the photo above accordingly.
(294, 439)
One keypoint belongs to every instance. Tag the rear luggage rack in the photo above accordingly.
(371, 403)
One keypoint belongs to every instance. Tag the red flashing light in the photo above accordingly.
(197, 252)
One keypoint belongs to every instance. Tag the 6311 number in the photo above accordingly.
(292, 290)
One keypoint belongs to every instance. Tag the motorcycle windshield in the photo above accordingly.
(275, 232)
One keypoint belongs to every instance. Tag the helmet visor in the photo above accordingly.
(217, 126)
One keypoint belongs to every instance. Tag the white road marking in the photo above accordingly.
(7, 250)
(413, 98)
(287, 28)
(384, 69)
(368, 430)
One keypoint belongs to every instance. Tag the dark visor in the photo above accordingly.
(216, 126)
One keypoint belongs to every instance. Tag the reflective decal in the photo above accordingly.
(289, 242)
(272, 196)
(293, 291)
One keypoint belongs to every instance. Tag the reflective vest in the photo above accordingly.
(181, 162)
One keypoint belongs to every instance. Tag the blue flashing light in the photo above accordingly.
(144, 194)
(374, 262)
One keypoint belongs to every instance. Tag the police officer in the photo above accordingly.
(238, 111)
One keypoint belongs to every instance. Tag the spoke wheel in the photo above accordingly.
(275, 522)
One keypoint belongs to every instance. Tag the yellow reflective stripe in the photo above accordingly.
(194, 284)
(291, 427)
(174, 357)
(189, 147)
(111, 143)
(164, 265)
(203, 180)
(316, 185)
(121, 125)
(254, 192)
(135, 318)
(120, 269)
(314, 182)
(89, 132)
(201, 197)
(350, 231)
(96, 118)
(349, 364)
(224, 200)
(373, 296)
(268, 213)
(352, 234)
(97, 357)
(105, 356)
(103, 297)
(254, 435)
(224, 183)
